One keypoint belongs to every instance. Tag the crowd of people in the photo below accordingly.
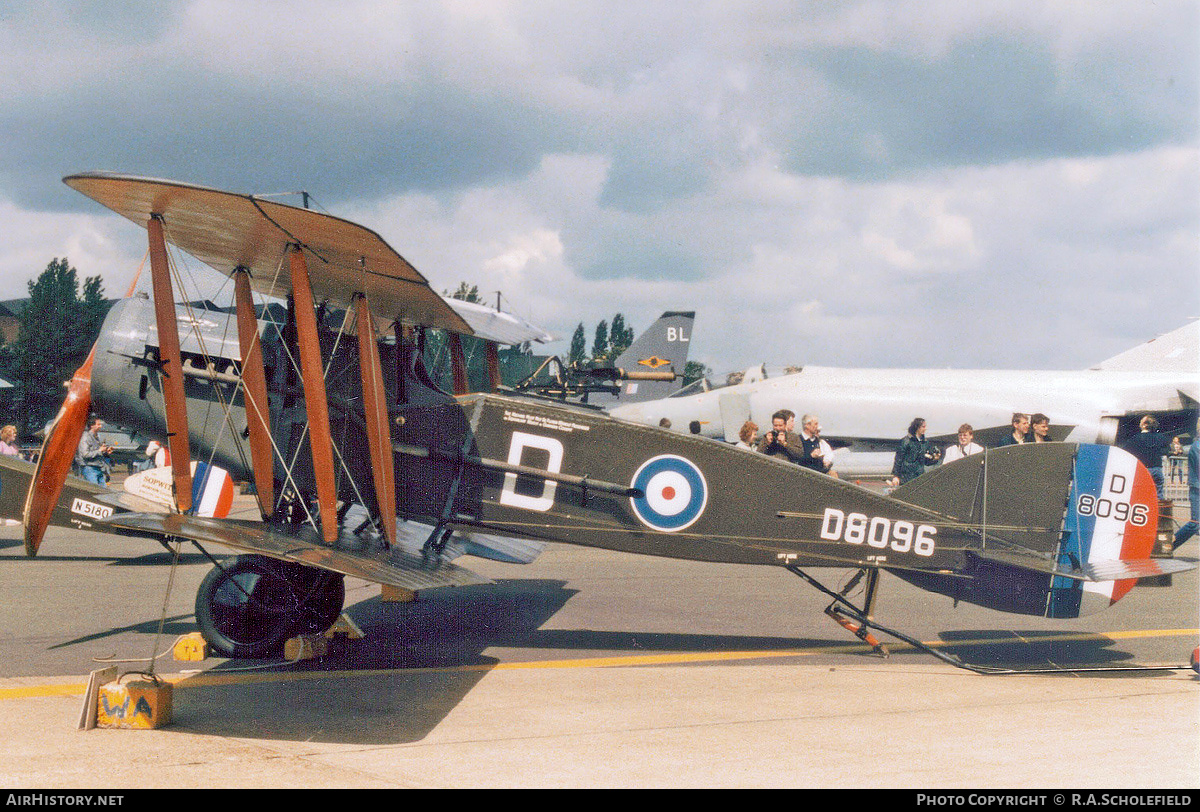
(804, 447)
(93, 456)
(916, 454)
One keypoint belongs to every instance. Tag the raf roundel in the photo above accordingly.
(674, 493)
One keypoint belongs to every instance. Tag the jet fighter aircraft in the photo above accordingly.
(350, 445)
(864, 411)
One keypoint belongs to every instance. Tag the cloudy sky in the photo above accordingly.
(983, 184)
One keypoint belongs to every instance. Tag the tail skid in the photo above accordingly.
(860, 623)
(1063, 530)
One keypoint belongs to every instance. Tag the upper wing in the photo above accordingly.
(496, 325)
(229, 231)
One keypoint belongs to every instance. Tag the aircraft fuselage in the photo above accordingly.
(870, 409)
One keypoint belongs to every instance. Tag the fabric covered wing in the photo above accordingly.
(226, 231)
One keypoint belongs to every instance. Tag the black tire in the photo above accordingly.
(250, 606)
(321, 593)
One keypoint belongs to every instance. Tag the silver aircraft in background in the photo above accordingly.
(864, 412)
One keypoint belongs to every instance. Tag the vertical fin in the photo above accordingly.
(1112, 515)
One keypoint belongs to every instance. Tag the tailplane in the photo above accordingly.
(1066, 529)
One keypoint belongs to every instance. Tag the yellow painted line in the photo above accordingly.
(31, 691)
(219, 678)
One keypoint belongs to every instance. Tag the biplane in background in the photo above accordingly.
(363, 467)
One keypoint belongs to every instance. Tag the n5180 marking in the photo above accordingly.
(85, 508)
(876, 531)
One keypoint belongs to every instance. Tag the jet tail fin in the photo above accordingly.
(662, 347)
(1176, 351)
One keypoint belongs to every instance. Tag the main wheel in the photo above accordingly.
(251, 606)
(321, 594)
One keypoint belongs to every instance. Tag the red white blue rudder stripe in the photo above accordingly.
(212, 490)
(1112, 515)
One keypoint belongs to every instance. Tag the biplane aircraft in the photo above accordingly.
(353, 451)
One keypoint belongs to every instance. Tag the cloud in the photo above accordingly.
(886, 183)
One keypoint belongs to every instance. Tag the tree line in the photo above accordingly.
(608, 341)
(56, 330)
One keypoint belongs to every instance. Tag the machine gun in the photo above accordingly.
(559, 381)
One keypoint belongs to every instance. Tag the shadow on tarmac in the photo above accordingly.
(171, 627)
(419, 660)
(415, 664)
(1022, 650)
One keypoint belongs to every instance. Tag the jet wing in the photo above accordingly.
(301, 545)
(228, 231)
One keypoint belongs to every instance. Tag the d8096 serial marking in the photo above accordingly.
(1136, 514)
(876, 531)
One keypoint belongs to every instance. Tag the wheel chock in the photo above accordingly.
(345, 626)
(191, 648)
(395, 594)
(141, 704)
(306, 647)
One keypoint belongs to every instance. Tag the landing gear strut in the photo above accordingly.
(251, 606)
(859, 621)
(850, 617)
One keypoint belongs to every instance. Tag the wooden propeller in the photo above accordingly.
(57, 455)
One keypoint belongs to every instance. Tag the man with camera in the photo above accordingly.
(780, 441)
(92, 454)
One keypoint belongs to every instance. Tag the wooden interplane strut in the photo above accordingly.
(316, 402)
(170, 366)
(493, 365)
(458, 364)
(254, 382)
(375, 413)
